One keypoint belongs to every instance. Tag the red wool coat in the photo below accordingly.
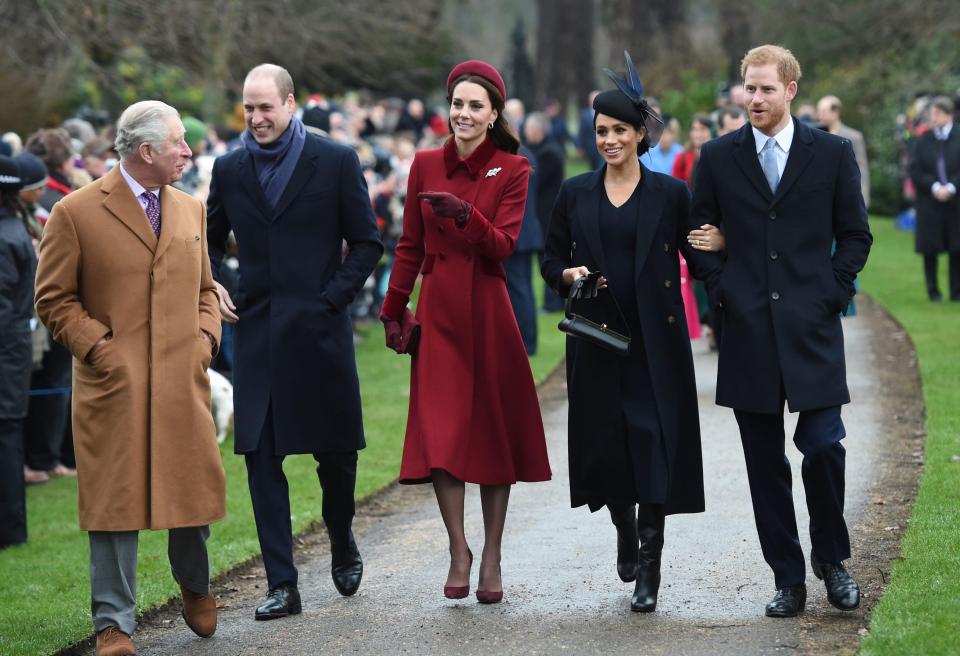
(473, 403)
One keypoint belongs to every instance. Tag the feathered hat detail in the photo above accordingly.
(638, 111)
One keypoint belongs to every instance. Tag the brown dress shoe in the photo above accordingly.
(114, 642)
(199, 612)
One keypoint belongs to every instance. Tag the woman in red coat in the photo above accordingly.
(474, 415)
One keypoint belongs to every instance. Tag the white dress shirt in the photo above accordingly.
(784, 140)
(943, 134)
(138, 189)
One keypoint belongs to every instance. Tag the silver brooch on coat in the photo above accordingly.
(493, 172)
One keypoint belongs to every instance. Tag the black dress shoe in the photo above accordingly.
(628, 541)
(842, 591)
(283, 600)
(936, 297)
(788, 602)
(346, 566)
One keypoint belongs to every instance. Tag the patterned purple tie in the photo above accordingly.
(153, 211)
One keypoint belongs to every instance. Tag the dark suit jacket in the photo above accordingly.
(781, 289)
(597, 462)
(550, 170)
(294, 340)
(938, 224)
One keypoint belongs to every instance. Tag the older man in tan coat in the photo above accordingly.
(124, 282)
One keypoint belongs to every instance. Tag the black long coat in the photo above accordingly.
(781, 289)
(294, 341)
(595, 437)
(18, 266)
(938, 224)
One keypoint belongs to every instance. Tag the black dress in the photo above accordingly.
(640, 424)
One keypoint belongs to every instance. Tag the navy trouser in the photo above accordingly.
(818, 438)
(271, 501)
(519, 268)
(13, 496)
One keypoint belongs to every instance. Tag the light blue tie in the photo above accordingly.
(768, 162)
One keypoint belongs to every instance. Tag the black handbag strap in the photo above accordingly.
(574, 291)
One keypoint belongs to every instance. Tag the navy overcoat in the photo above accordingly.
(294, 340)
(782, 285)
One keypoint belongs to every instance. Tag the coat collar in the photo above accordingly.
(649, 207)
(745, 155)
(121, 202)
(474, 163)
(306, 166)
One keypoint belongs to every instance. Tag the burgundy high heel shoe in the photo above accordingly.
(458, 591)
(489, 596)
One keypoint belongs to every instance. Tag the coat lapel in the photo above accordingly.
(745, 155)
(801, 152)
(121, 202)
(169, 220)
(302, 174)
(649, 211)
(251, 183)
(588, 206)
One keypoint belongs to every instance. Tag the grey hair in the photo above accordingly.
(540, 120)
(141, 123)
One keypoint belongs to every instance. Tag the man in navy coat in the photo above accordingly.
(782, 193)
(292, 199)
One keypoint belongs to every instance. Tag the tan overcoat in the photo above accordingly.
(146, 451)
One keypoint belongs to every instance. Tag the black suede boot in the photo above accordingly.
(650, 529)
(628, 540)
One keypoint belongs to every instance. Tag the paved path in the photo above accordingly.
(562, 594)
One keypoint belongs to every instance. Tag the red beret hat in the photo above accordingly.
(477, 67)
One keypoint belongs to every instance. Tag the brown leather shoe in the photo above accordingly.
(199, 612)
(114, 642)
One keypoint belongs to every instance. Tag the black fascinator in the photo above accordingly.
(628, 103)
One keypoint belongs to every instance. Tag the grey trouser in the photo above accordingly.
(113, 572)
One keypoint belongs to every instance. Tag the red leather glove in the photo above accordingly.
(447, 205)
(393, 333)
(402, 336)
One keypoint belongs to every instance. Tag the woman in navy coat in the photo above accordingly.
(634, 434)
(474, 415)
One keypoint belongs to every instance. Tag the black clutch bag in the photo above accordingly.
(598, 334)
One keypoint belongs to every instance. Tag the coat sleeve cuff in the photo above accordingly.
(476, 227)
(393, 306)
(91, 333)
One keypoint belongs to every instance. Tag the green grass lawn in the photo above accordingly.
(44, 585)
(919, 612)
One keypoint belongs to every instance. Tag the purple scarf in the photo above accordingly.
(276, 161)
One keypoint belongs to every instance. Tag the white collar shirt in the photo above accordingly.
(783, 139)
(138, 188)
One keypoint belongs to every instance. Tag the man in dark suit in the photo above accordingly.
(292, 199)
(550, 171)
(782, 193)
(519, 266)
(935, 170)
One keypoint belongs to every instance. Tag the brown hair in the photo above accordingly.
(502, 135)
(788, 68)
(52, 146)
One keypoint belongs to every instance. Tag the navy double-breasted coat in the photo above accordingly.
(294, 341)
